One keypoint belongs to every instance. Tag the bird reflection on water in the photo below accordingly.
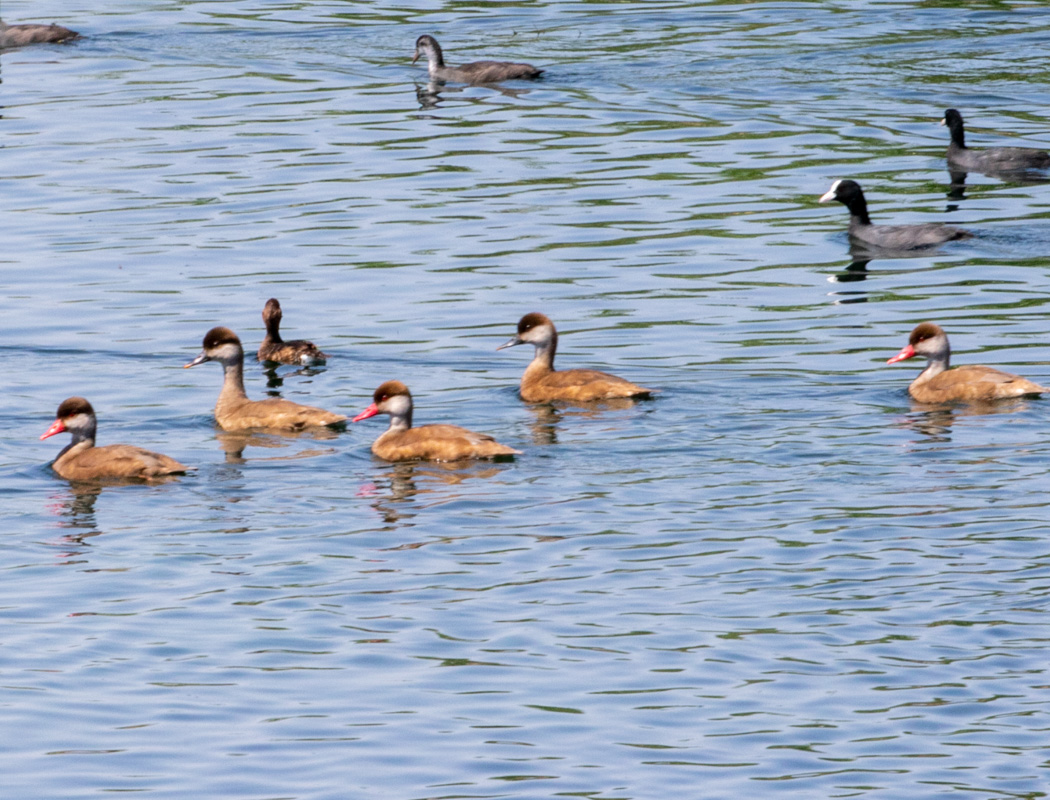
(957, 181)
(75, 503)
(934, 422)
(234, 443)
(275, 379)
(404, 488)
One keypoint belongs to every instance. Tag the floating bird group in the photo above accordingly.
(541, 383)
(234, 411)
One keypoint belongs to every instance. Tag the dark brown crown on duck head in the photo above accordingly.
(271, 313)
(532, 320)
(390, 389)
(72, 406)
(547, 343)
(929, 340)
(219, 336)
(924, 331)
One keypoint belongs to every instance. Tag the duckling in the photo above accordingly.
(278, 351)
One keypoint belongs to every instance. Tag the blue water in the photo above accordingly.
(778, 577)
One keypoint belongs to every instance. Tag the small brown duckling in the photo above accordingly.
(475, 72)
(80, 460)
(542, 383)
(402, 442)
(278, 351)
(234, 411)
(969, 384)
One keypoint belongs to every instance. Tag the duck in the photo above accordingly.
(32, 33)
(993, 159)
(235, 412)
(402, 442)
(541, 383)
(80, 460)
(888, 237)
(968, 384)
(475, 72)
(274, 349)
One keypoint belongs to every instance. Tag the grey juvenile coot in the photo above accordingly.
(475, 72)
(888, 237)
(994, 159)
(29, 33)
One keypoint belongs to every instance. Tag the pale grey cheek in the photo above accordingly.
(226, 351)
(79, 422)
(537, 336)
(399, 405)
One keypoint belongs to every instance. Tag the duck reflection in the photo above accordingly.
(274, 380)
(935, 422)
(75, 503)
(548, 416)
(544, 427)
(415, 485)
(234, 443)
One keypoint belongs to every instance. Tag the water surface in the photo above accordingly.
(778, 576)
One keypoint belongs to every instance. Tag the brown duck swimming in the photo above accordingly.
(80, 460)
(234, 411)
(402, 442)
(475, 72)
(542, 383)
(29, 33)
(970, 384)
(278, 351)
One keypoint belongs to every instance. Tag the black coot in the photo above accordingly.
(887, 237)
(992, 160)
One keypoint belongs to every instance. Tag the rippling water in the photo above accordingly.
(779, 575)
